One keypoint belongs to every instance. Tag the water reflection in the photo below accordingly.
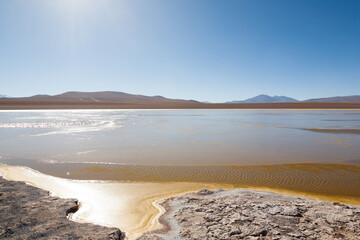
(216, 137)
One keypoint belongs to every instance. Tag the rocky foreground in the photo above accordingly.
(27, 212)
(247, 214)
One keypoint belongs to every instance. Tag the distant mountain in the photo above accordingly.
(342, 99)
(107, 96)
(266, 99)
(121, 97)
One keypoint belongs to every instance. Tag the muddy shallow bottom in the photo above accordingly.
(317, 178)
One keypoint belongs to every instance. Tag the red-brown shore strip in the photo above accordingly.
(36, 105)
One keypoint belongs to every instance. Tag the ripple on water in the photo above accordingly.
(333, 179)
(328, 179)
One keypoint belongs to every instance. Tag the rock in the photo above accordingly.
(247, 214)
(275, 210)
(291, 211)
(27, 212)
(205, 192)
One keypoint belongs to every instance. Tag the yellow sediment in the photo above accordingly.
(132, 207)
(318, 178)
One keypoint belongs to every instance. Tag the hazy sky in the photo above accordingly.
(192, 49)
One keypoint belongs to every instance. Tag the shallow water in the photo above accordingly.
(313, 178)
(315, 151)
(182, 137)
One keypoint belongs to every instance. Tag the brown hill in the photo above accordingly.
(107, 96)
(340, 99)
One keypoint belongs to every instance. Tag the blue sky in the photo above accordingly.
(192, 49)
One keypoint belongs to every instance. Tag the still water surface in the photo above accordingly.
(182, 137)
(314, 151)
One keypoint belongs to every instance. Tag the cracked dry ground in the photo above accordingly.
(247, 214)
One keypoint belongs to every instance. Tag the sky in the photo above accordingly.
(191, 49)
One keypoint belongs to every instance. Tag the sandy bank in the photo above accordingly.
(27, 212)
(248, 214)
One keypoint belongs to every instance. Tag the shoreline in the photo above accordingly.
(62, 105)
(248, 214)
(152, 209)
(28, 212)
(127, 206)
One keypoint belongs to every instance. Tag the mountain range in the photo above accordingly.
(266, 99)
(106, 96)
(282, 99)
(343, 99)
(121, 97)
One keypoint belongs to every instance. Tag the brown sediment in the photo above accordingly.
(323, 179)
(334, 131)
(20, 104)
(327, 179)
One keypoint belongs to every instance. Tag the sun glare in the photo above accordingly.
(80, 7)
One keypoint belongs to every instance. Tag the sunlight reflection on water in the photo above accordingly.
(181, 136)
